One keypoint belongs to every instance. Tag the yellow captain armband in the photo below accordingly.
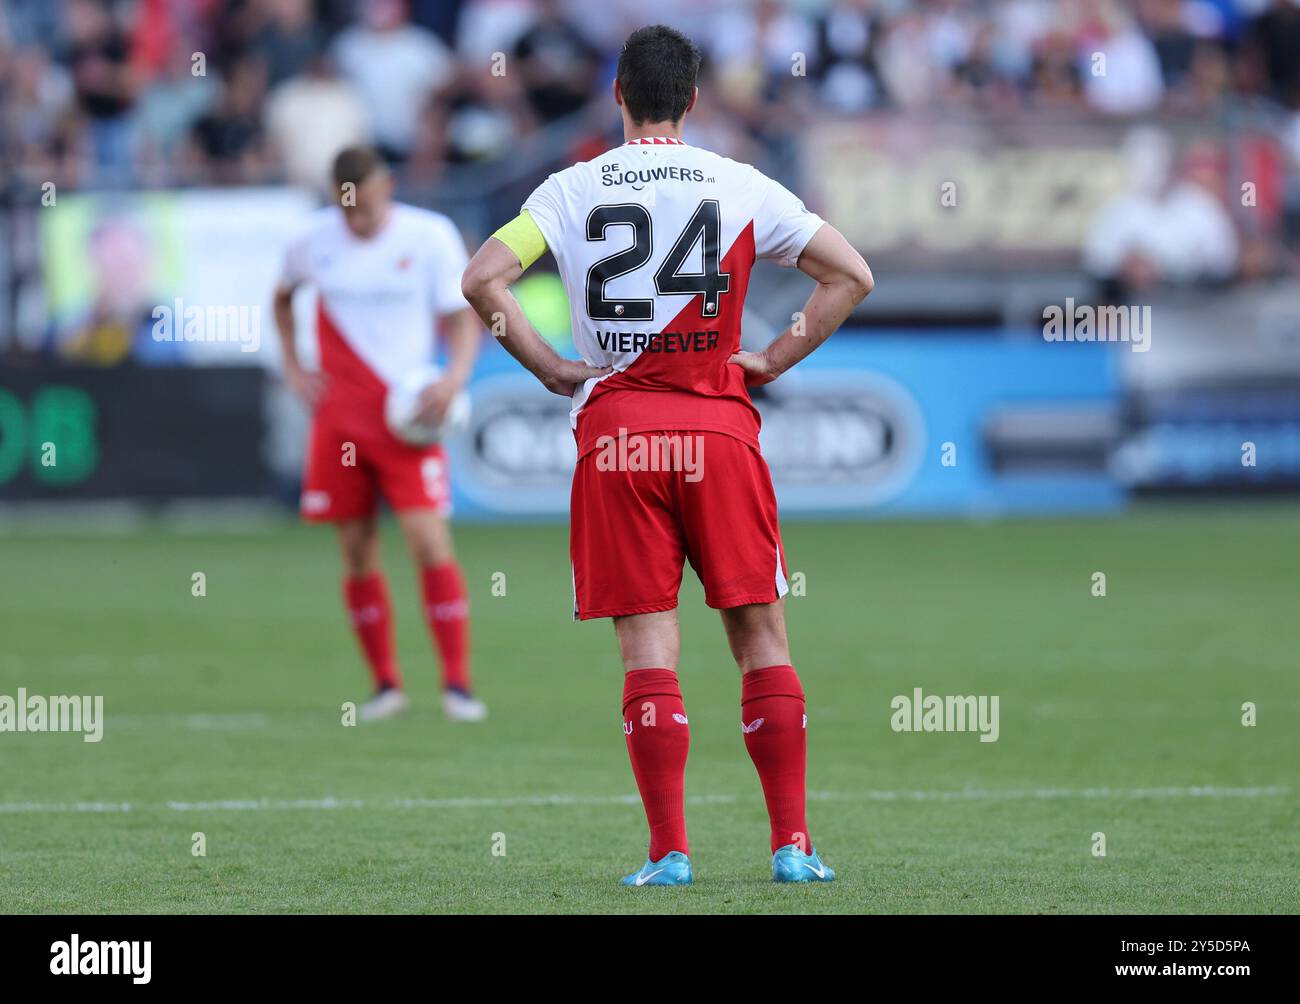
(522, 237)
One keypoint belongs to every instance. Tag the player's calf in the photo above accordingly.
(446, 608)
(658, 740)
(756, 635)
(365, 597)
(774, 723)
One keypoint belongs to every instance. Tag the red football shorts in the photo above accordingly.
(352, 459)
(637, 515)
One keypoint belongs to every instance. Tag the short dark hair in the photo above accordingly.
(355, 164)
(657, 68)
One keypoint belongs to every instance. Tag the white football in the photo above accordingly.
(403, 403)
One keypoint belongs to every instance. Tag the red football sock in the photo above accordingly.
(658, 739)
(774, 724)
(446, 608)
(366, 597)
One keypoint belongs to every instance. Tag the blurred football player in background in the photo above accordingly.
(385, 275)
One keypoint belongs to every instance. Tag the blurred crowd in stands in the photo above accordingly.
(146, 93)
(168, 91)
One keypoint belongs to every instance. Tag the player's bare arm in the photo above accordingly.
(460, 334)
(307, 385)
(486, 285)
(843, 281)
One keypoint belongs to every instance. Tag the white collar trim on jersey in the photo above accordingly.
(654, 141)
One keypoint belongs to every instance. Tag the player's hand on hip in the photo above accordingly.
(758, 369)
(309, 387)
(564, 375)
(436, 399)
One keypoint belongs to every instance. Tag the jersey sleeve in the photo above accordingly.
(296, 268)
(782, 225)
(446, 266)
(546, 207)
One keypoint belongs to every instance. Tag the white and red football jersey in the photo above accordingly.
(378, 299)
(655, 241)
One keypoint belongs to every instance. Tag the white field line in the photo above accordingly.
(201, 722)
(526, 801)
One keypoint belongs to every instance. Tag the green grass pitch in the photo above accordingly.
(1120, 715)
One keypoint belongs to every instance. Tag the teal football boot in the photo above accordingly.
(790, 864)
(674, 868)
